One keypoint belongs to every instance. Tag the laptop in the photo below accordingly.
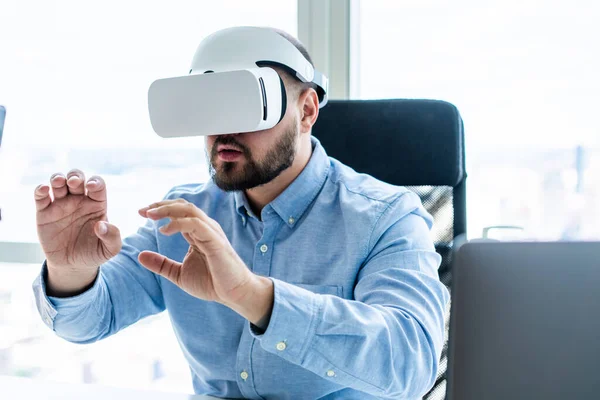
(525, 321)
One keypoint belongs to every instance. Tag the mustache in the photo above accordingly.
(228, 140)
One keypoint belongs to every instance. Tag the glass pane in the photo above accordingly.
(75, 77)
(524, 76)
(144, 356)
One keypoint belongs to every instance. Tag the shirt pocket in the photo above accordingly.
(335, 290)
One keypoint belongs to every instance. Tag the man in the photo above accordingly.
(287, 275)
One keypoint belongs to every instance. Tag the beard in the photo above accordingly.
(229, 176)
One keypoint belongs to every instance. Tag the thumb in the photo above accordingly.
(109, 235)
(161, 265)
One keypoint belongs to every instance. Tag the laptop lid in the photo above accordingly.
(525, 321)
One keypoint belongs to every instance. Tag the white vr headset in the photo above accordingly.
(230, 88)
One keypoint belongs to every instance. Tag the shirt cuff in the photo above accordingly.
(293, 322)
(43, 304)
(49, 306)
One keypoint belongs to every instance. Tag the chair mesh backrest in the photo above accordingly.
(438, 201)
(424, 148)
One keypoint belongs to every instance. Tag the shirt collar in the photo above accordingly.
(291, 204)
(242, 206)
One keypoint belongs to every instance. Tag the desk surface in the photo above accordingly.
(29, 389)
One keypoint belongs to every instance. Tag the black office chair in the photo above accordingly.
(414, 143)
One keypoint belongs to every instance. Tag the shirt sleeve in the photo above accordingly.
(123, 292)
(388, 341)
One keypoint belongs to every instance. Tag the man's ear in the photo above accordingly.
(309, 106)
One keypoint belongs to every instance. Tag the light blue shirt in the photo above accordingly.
(358, 310)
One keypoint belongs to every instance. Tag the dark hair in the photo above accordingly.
(299, 85)
(297, 44)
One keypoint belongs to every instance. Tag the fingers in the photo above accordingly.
(96, 188)
(198, 229)
(143, 211)
(216, 227)
(110, 237)
(58, 182)
(161, 265)
(180, 208)
(75, 182)
(42, 197)
(174, 210)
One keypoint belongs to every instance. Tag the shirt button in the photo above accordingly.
(264, 248)
(330, 373)
(291, 220)
(244, 375)
(281, 346)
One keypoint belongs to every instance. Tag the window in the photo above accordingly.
(523, 75)
(74, 78)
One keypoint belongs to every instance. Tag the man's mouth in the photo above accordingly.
(227, 147)
(229, 154)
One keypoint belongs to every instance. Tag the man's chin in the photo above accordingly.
(228, 182)
(221, 165)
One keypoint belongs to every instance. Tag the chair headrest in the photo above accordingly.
(402, 142)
